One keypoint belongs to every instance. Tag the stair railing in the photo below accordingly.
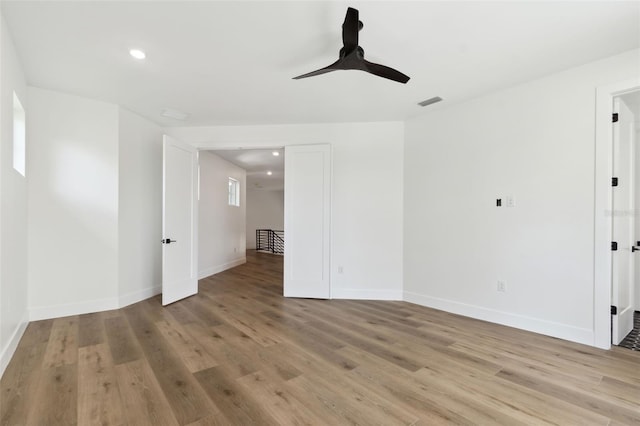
(270, 240)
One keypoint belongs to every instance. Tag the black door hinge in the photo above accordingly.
(614, 117)
(614, 310)
(614, 245)
(614, 181)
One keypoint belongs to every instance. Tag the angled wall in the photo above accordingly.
(73, 204)
(95, 198)
(139, 208)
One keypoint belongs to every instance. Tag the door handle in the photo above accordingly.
(168, 241)
(634, 248)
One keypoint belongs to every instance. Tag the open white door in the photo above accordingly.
(622, 262)
(307, 213)
(179, 220)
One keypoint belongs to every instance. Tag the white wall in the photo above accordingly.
(265, 210)
(139, 208)
(366, 218)
(73, 204)
(221, 227)
(534, 142)
(13, 207)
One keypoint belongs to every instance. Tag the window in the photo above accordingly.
(19, 136)
(234, 192)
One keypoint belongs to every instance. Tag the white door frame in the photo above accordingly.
(603, 216)
(269, 142)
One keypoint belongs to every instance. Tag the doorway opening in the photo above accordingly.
(625, 263)
(307, 213)
(603, 307)
(264, 196)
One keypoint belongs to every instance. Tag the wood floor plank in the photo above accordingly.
(199, 308)
(539, 368)
(370, 345)
(237, 341)
(90, 329)
(122, 343)
(194, 356)
(277, 400)
(237, 363)
(254, 330)
(231, 399)
(311, 362)
(186, 398)
(619, 389)
(297, 329)
(432, 403)
(99, 400)
(143, 402)
(577, 398)
(212, 420)
(62, 348)
(56, 399)
(240, 353)
(37, 332)
(347, 406)
(20, 381)
(180, 313)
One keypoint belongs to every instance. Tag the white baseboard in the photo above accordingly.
(138, 296)
(12, 344)
(365, 294)
(207, 272)
(57, 311)
(548, 328)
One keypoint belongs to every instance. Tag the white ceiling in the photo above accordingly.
(257, 162)
(232, 62)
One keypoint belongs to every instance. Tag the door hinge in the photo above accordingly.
(614, 117)
(614, 245)
(614, 181)
(614, 310)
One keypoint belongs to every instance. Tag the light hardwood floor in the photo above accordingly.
(239, 353)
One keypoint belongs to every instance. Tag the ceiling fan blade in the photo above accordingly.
(350, 29)
(385, 72)
(332, 67)
(352, 55)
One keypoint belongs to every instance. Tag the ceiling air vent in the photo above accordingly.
(430, 101)
(175, 114)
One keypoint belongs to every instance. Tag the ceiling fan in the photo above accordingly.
(352, 55)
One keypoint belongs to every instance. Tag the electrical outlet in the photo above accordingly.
(511, 202)
(502, 286)
(340, 269)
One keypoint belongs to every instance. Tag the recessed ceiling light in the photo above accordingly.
(275, 153)
(137, 53)
(269, 173)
